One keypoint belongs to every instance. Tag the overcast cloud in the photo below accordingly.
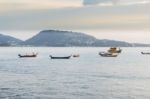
(97, 2)
(121, 15)
(119, 2)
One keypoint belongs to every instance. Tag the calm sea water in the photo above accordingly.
(87, 77)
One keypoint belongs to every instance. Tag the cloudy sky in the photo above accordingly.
(126, 20)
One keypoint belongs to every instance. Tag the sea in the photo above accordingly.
(89, 76)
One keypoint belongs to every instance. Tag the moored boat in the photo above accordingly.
(66, 57)
(76, 55)
(145, 53)
(27, 55)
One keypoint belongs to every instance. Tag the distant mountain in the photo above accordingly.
(113, 43)
(56, 38)
(140, 45)
(60, 38)
(8, 41)
(67, 38)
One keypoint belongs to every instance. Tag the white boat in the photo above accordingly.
(107, 54)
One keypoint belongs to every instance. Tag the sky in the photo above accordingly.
(125, 20)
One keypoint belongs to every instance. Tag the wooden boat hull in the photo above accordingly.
(145, 53)
(27, 56)
(67, 57)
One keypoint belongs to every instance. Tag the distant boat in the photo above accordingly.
(66, 57)
(107, 54)
(77, 55)
(27, 55)
(114, 50)
(145, 53)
